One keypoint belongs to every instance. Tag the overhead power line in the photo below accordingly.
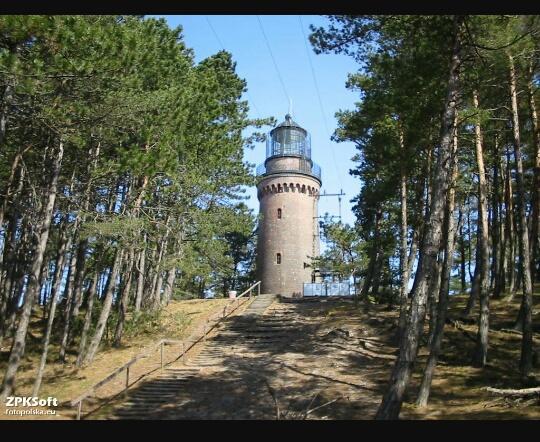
(250, 98)
(273, 60)
(323, 113)
(214, 32)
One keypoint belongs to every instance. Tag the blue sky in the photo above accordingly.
(242, 36)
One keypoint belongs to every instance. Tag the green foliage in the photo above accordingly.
(181, 295)
(345, 252)
(142, 323)
(153, 163)
(401, 85)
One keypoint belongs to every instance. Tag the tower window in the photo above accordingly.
(278, 258)
(279, 213)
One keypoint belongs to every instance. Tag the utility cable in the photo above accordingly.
(317, 90)
(250, 98)
(273, 60)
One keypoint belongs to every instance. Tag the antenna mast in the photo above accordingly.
(339, 195)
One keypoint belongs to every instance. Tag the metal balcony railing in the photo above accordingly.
(303, 167)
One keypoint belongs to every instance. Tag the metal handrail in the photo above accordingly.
(312, 170)
(250, 290)
(78, 401)
(147, 352)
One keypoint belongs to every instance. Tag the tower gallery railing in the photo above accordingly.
(187, 344)
(302, 167)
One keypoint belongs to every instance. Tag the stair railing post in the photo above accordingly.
(127, 377)
(259, 288)
(183, 352)
(161, 355)
(79, 410)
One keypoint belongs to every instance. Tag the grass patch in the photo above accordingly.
(65, 381)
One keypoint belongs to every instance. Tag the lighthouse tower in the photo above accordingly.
(288, 192)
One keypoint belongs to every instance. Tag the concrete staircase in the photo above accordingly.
(259, 305)
(170, 394)
(154, 394)
(273, 358)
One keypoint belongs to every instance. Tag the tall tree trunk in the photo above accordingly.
(87, 318)
(169, 284)
(106, 309)
(377, 271)
(427, 272)
(79, 277)
(10, 245)
(433, 299)
(469, 242)
(372, 266)
(83, 244)
(502, 234)
(480, 353)
(509, 230)
(150, 283)
(526, 303)
(159, 286)
(69, 306)
(5, 279)
(124, 300)
(140, 266)
(450, 240)
(425, 219)
(7, 100)
(45, 288)
(140, 278)
(403, 262)
(495, 226)
(475, 283)
(55, 294)
(10, 194)
(158, 276)
(412, 254)
(535, 213)
(368, 277)
(43, 228)
(463, 259)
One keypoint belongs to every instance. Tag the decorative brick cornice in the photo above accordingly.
(287, 186)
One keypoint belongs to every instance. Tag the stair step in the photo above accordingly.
(160, 387)
(252, 337)
(151, 395)
(161, 393)
(257, 331)
(177, 383)
(148, 402)
(178, 378)
(183, 370)
(166, 381)
(144, 400)
(156, 393)
(178, 375)
(165, 387)
(133, 414)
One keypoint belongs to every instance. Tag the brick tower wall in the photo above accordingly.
(294, 236)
